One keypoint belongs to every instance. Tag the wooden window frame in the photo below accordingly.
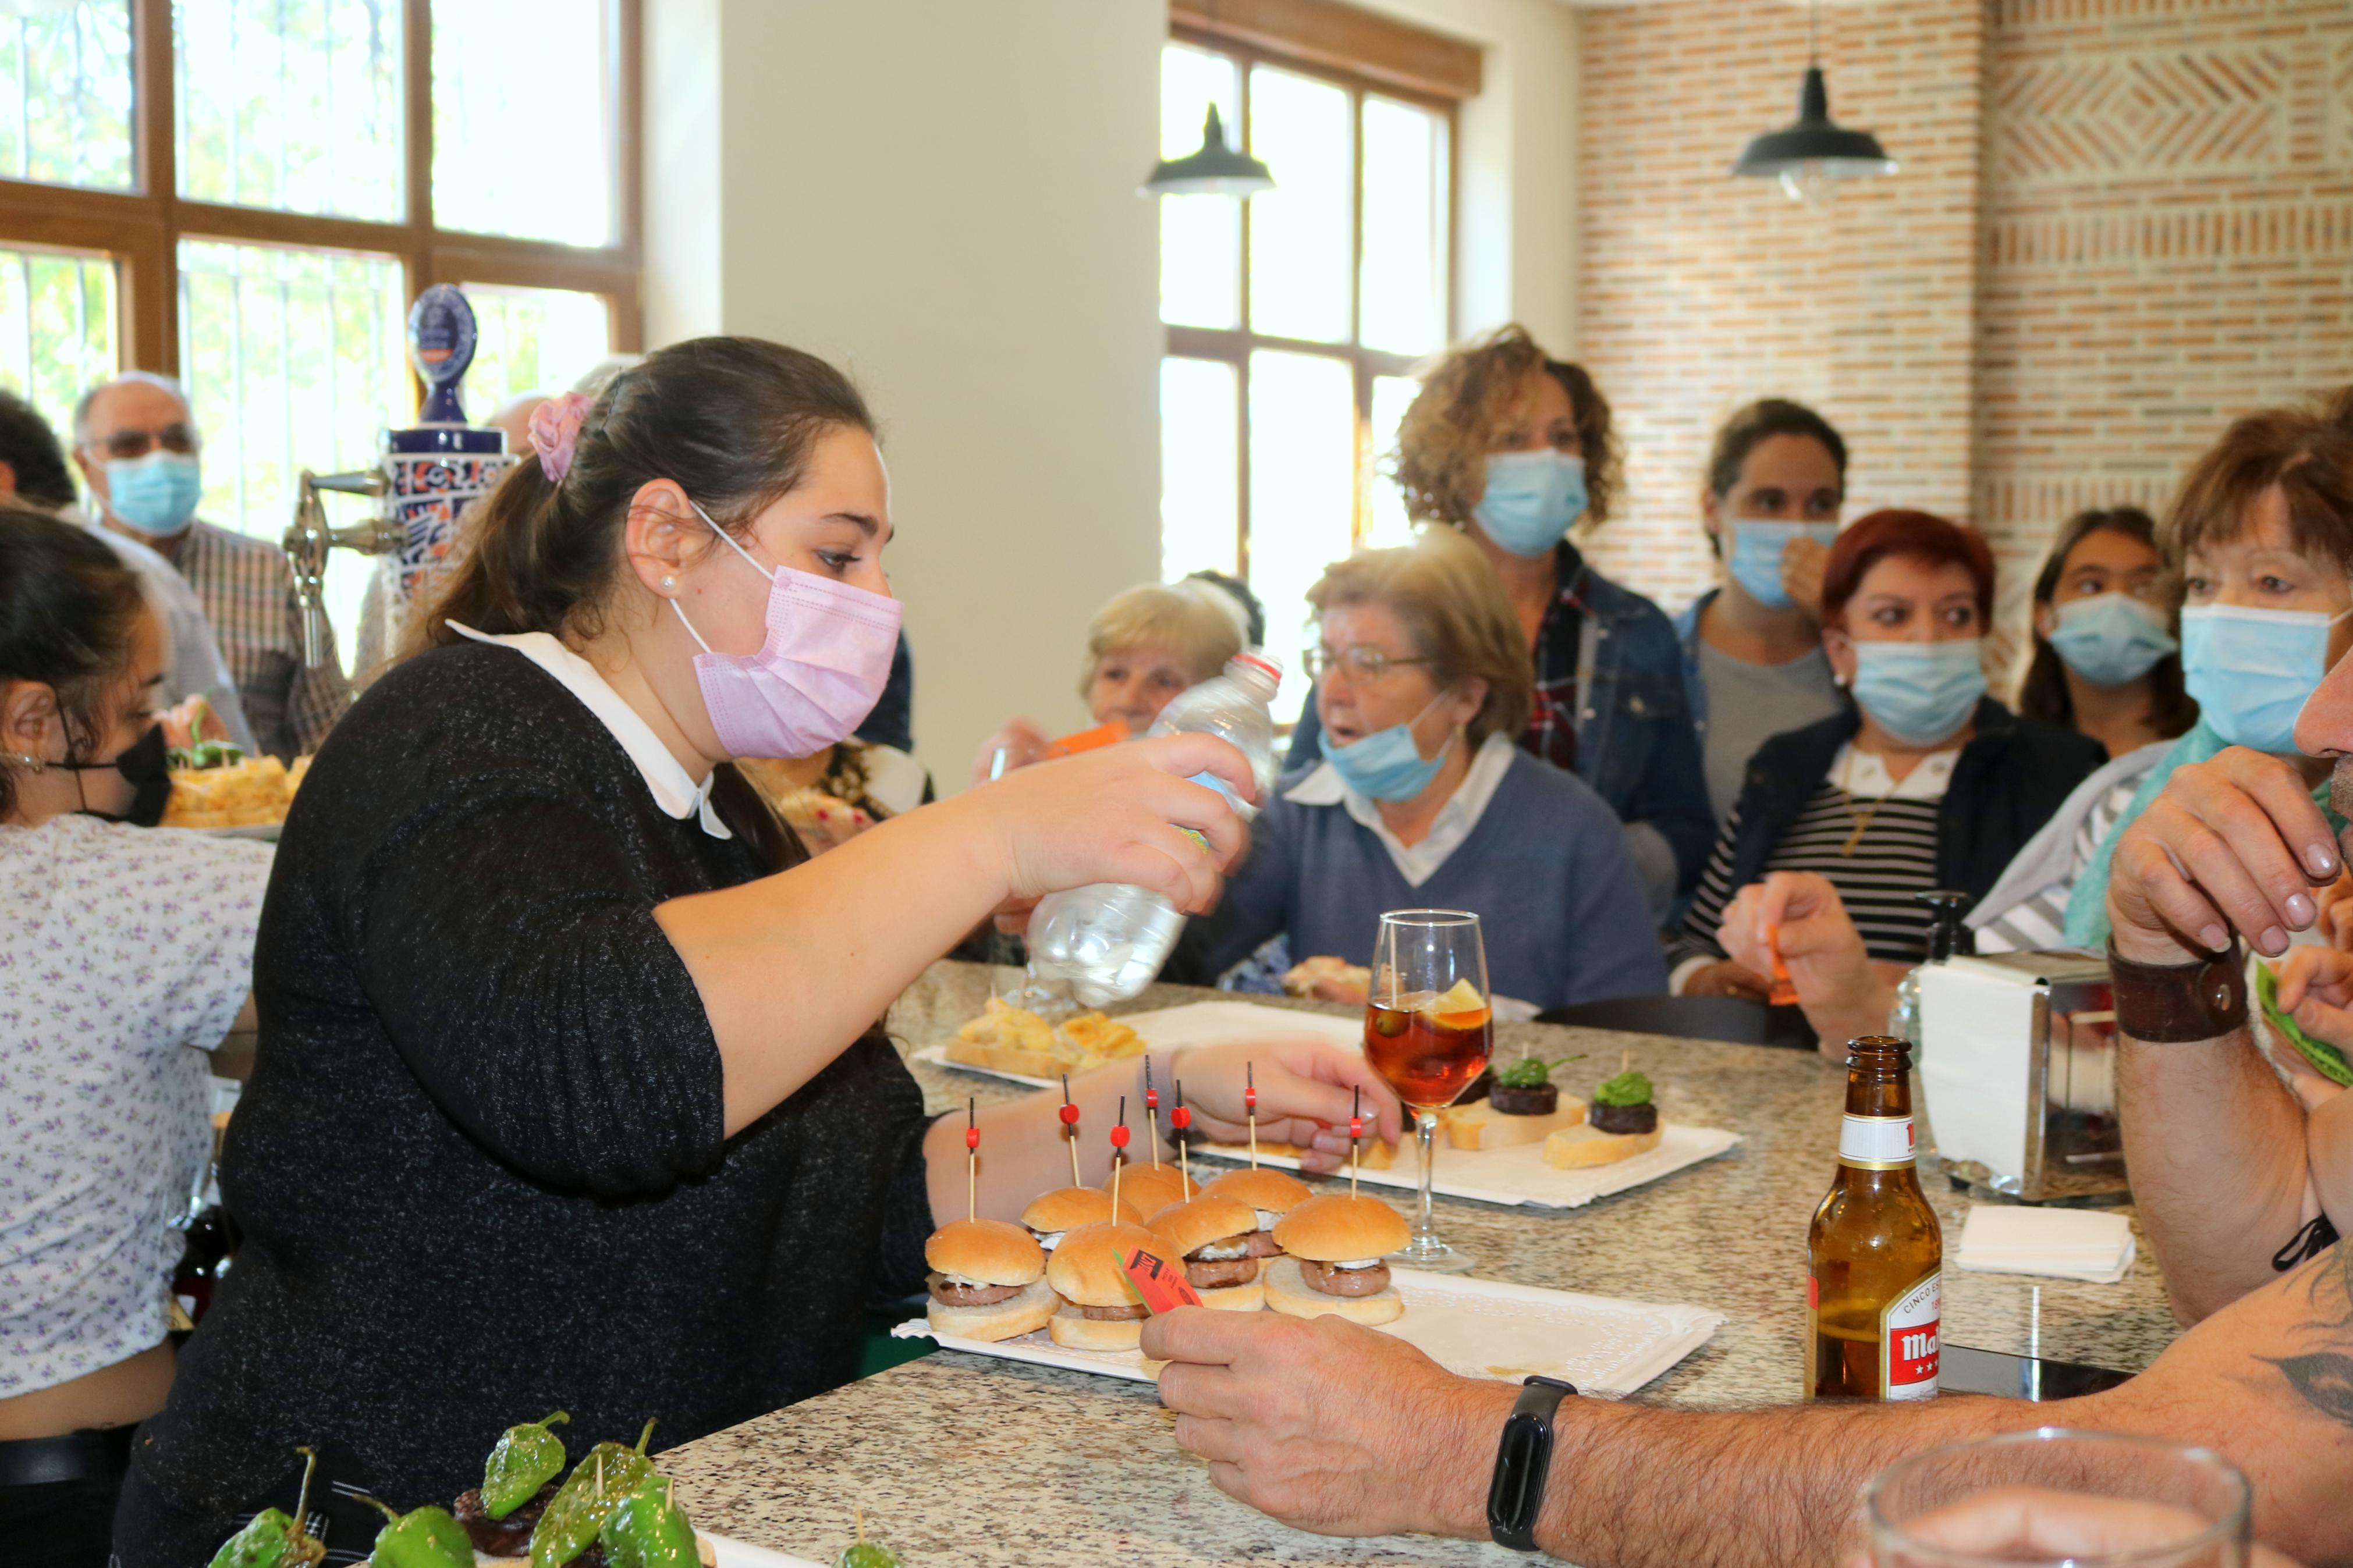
(140, 230)
(1230, 32)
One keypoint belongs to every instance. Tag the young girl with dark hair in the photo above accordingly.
(123, 946)
(2105, 658)
(570, 1090)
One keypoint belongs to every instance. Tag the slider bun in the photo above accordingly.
(1067, 1208)
(1210, 1217)
(988, 1250)
(1250, 1297)
(1074, 1332)
(1022, 1314)
(1277, 1192)
(1085, 1268)
(1336, 1228)
(1152, 1188)
(1293, 1297)
(1584, 1146)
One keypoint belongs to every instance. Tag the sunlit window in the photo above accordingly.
(291, 104)
(524, 113)
(1294, 323)
(533, 340)
(65, 93)
(57, 328)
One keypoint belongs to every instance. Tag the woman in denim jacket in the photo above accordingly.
(1511, 448)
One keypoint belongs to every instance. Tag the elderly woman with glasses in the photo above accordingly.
(1421, 799)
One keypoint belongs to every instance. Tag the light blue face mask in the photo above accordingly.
(2110, 638)
(156, 493)
(1755, 558)
(1387, 764)
(1920, 692)
(2251, 670)
(1531, 499)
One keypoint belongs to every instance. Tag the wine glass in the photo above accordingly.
(1428, 1031)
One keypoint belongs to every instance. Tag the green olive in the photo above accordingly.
(868, 1554)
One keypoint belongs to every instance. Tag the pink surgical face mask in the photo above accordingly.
(816, 676)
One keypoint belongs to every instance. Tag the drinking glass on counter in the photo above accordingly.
(2092, 1499)
(1428, 1031)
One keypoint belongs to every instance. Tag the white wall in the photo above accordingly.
(940, 196)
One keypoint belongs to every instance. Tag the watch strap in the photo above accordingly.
(2175, 1004)
(1523, 1461)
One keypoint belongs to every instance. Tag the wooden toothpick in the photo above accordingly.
(1118, 1156)
(1070, 1120)
(1249, 1105)
(1152, 1111)
(1355, 1131)
(1180, 1119)
(972, 1158)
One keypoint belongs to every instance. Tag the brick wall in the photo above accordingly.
(2118, 224)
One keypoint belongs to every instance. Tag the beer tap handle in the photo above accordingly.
(308, 539)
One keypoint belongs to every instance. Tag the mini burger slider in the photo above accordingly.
(987, 1280)
(1100, 1310)
(1335, 1269)
(1052, 1215)
(1214, 1233)
(1272, 1194)
(1152, 1188)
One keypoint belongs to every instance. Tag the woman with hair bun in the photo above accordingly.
(570, 1090)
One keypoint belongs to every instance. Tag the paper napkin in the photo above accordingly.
(2066, 1243)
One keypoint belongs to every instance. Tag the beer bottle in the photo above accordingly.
(1875, 1255)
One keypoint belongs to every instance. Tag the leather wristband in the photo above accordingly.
(1524, 1462)
(2175, 1004)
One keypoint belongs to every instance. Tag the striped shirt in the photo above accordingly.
(2039, 922)
(247, 593)
(1872, 839)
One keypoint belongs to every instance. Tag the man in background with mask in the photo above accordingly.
(137, 445)
(1753, 660)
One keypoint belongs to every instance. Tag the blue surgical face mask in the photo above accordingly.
(2110, 638)
(156, 493)
(1920, 692)
(1387, 764)
(2251, 670)
(1755, 560)
(1531, 499)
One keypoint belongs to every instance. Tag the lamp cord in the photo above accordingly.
(1814, 33)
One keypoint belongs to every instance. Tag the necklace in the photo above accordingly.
(1861, 818)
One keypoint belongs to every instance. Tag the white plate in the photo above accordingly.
(1515, 1176)
(262, 832)
(743, 1554)
(1478, 1328)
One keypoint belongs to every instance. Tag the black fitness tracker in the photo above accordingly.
(1522, 1458)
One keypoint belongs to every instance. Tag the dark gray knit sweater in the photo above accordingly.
(480, 1167)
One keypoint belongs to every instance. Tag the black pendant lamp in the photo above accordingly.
(1216, 170)
(1811, 156)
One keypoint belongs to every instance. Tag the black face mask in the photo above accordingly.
(144, 768)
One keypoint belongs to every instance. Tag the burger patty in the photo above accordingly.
(1113, 1314)
(508, 1537)
(949, 1295)
(1623, 1118)
(1261, 1245)
(1216, 1274)
(1334, 1281)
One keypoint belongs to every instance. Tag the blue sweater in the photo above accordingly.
(1546, 869)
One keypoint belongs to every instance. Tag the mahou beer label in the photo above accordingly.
(1907, 1341)
(1875, 1142)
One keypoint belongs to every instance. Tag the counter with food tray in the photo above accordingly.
(965, 1457)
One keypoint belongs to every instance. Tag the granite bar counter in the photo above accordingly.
(963, 1459)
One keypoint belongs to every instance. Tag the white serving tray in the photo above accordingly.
(1477, 1328)
(743, 1554)
(1515, 1176)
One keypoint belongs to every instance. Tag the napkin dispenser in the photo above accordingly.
(2017, 1073)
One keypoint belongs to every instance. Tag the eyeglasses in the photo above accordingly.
(126, 445)
(1362, 663)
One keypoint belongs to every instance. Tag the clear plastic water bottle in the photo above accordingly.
(1110, 940)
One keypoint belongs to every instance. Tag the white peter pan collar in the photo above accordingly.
(667, 780)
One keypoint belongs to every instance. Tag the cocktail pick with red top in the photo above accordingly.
(972, 1158)
(1355, 1131)
(1152, 1111)
(1118, 1156)
(1070, 1114)
(1180, 1119)
(1250, 1105)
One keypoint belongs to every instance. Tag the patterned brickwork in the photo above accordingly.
(2119, 224)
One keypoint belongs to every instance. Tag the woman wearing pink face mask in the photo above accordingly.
(570, 1090)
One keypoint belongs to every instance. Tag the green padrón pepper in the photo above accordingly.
(868, 1554)
(650, 1529)
(526, 1458)
(268, 1540)
(604, 1475)
(425, 1538)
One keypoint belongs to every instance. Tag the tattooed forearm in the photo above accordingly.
(2323, 1376)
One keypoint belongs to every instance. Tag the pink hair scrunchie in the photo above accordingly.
(555, 430)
